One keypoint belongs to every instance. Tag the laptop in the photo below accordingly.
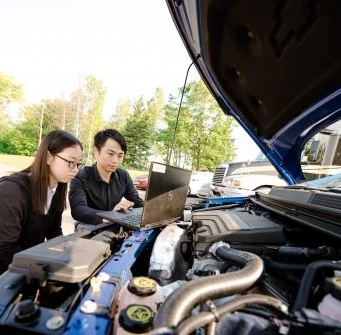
(164, 203)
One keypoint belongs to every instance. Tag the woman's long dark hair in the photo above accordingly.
(54, 142)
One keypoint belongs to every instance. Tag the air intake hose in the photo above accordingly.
(183, 300)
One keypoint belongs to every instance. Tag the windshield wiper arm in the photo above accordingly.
(334, 189)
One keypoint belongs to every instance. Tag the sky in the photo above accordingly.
(49, 46)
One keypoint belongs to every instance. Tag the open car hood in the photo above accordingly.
(273, 65)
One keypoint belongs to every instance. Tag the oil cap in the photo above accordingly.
(136, 318)
(27, 311)
(142, 286)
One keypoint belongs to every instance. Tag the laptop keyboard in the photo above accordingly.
(133, 219)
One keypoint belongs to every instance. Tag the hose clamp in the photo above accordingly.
(213, 309)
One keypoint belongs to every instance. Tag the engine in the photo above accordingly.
(233, 269)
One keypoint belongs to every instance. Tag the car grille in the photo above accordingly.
(219, 175)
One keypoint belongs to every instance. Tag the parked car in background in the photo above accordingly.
(141, 181)
(205, 190)
(248, 184)
(142, 184)
(198, 179)
(260, 165)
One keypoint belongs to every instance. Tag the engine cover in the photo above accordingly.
(235, 225)
(66, 258)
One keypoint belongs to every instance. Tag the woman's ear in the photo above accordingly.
(48, 158)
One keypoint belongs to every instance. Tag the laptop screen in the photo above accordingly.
(166, 193)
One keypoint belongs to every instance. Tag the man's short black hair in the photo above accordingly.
(102, 136)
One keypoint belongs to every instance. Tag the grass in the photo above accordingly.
(21, 162)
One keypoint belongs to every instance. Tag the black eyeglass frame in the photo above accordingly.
(71, 164)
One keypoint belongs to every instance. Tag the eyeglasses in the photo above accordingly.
(71, 164)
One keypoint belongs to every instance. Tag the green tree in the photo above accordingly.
(174, 137)
(139, 135)
(10, 92)
(39, 119)
(15, 141)
(203, 132)
(210, 129)
(164, 134)
(23, 136)
(86, 113)
(124, 109)
(92, 119)
(58, 114)
(155, 107)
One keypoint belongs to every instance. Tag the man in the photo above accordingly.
(102, 186)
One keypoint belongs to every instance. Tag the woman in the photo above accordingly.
(32, 200)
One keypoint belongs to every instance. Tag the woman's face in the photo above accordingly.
(63, 166)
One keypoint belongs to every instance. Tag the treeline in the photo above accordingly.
(203, 133)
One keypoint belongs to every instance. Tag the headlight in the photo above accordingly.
(236, 183)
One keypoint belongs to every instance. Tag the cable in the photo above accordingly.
(177, 117)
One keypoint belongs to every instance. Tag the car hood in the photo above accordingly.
(272, 65)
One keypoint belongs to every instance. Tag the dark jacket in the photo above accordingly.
(90, 194)
(20, 226)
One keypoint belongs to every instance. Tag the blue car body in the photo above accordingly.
(241, 69)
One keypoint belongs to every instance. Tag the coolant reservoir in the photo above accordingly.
(135, 319)
(165, 258)
(331, 303)
(140, 291)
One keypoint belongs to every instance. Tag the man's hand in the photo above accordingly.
(123, 205)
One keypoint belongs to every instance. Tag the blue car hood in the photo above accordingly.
(272, 65)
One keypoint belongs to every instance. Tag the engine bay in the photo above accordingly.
(249, 268)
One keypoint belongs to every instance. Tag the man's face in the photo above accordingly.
(110, 156)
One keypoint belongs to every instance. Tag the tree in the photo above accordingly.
(39, 119)
(124, 110)
(17, 142)
(203, 133)
(156, 106)
(59, 114)
(210, 129)
(92, 119)
(10, 92)
(139, 135)
(22, 137)
(165, 132)
(54, 114)
(86, 106)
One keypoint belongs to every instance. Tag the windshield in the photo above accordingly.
(260, 156)
(327, 182)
